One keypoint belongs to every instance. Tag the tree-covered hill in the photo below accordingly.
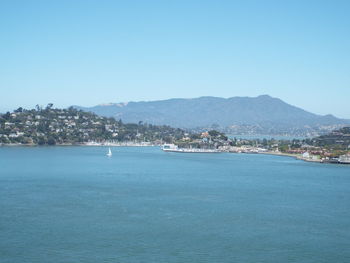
(336, 139)
(71, 126)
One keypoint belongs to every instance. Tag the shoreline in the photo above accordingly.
(298, 157)
(82, 144)
(295, 156)
(146, 144)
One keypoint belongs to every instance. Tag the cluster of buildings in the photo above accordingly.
(28, 127)
(71, 126)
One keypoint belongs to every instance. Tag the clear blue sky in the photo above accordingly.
(92, 52)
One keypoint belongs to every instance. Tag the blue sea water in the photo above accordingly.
(74, 204)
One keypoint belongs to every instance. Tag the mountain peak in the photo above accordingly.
(267, 113)
(265, 96)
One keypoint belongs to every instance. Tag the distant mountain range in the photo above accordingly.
(236, 115)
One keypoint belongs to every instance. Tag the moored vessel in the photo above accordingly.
(175, 148)
(344, 159)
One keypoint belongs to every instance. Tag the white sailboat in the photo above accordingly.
(109, 154)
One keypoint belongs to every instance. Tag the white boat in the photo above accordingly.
(345, 159)
(109, 154)
(169, 147)
(175, 148)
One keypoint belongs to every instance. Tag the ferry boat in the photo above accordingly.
(169, 147)
(175, 148)
(345, 159)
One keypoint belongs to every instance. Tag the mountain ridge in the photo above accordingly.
(262, 112)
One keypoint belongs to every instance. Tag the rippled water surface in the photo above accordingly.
(74, 204)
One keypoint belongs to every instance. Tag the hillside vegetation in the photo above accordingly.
(71, 126)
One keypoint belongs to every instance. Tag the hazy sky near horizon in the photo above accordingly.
(91, 52)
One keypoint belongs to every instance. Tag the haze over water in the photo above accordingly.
(73, 204)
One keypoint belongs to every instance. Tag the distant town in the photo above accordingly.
(51, 126)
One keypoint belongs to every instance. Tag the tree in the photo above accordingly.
(72, 110)
(283, 148)
(20, 109)
(51, 141)
(214, 133)
(49, 106)
(168, 139)
(264, 142)
(41, 140)
(7, 115)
